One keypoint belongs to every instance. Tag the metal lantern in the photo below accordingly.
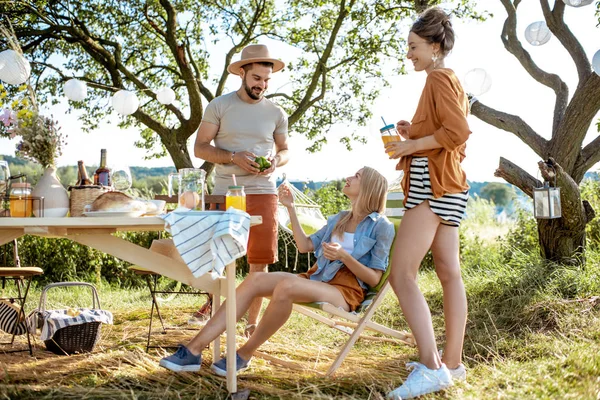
(537, 33)
(546, 202)
(596, 62)
(165, 95)
(125, 102)
(16, 69)
(477, 81)
(75, 89)
(578, 3)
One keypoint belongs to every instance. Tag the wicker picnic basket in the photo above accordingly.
(72, 339)
(82, 196)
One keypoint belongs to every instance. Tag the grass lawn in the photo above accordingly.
(533, 333)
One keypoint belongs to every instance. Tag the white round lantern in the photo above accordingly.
(16, 68)
(165, 95)
(596, 62)
(477, 81)
(75, 89)
(578, 3)
(125, 102)
(537, 33)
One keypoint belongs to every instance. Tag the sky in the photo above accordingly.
(478, 45)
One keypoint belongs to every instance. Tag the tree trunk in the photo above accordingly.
(562, 239)
(179, 154)
(561, 245)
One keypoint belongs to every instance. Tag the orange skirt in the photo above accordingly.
(344, 281)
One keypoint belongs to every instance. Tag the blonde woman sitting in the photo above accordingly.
(352, 253)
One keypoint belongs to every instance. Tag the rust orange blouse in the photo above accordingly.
(441, 112)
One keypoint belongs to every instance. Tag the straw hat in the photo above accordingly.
(252, 54)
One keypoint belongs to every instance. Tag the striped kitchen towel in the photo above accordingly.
(209, 240)
(57, 319)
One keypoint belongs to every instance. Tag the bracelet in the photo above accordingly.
(232, 155)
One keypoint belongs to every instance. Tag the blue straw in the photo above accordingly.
(383, 121)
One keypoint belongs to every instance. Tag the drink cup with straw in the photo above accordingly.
(389, 134)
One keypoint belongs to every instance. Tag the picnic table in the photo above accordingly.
(98, 233)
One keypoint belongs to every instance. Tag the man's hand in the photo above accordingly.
(334, 251)
(245, 160)
(273, 161)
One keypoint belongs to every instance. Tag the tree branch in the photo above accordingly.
(513, 124)
(515, 175)
(343, 12)
(556, 24)
(514, 46)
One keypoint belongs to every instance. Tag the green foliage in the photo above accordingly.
(522, 238)
(330, 198)
(347, 49)
(590, 191)
(500, 194)
(65, 260)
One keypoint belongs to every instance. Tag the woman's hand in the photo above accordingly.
(400, 149)
(403, 128)
(285, 196)
(334, 251)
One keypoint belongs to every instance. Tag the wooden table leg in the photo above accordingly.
(230, 324)
(216, 303)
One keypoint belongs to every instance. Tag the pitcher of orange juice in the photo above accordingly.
(190, 191)
(235, 198)
(389, 134)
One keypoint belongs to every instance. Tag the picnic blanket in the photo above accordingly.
(57, 319)
(209, 240)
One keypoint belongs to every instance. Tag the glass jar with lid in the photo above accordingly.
(235, 198)
(21, 202)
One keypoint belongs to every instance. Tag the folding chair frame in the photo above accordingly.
(356, 326)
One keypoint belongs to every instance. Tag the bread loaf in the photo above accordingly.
(117, 201)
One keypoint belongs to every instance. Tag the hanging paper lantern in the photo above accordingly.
(125, 102)
(578, 3)
(477, 81)
(537, 33)
(75, 89)
(596, 62)
(16, 68)
(165, 95)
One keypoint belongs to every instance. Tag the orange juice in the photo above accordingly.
(21, 207)
(390, 138)
(238, 202)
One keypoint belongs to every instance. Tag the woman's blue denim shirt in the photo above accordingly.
(372, 242)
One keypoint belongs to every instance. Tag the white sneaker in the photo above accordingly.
(459, 373)
(422, 380)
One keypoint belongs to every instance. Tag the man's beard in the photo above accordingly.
(251, 94)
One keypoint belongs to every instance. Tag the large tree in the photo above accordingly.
(343, 47)
(560, 239)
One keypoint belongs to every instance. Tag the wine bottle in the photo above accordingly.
(102, 174)
(82, 175)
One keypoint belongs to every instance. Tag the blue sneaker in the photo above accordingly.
(182, 360)
(220, 367)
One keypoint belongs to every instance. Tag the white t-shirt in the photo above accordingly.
(347, 242)
(245, 127)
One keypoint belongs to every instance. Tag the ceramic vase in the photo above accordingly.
(56, 198)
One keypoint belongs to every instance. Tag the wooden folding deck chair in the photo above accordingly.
(354, 324)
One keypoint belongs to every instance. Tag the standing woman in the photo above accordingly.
(436, 193)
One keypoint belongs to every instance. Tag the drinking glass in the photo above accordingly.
(121, 177)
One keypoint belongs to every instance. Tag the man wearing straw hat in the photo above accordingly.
(244, 125)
